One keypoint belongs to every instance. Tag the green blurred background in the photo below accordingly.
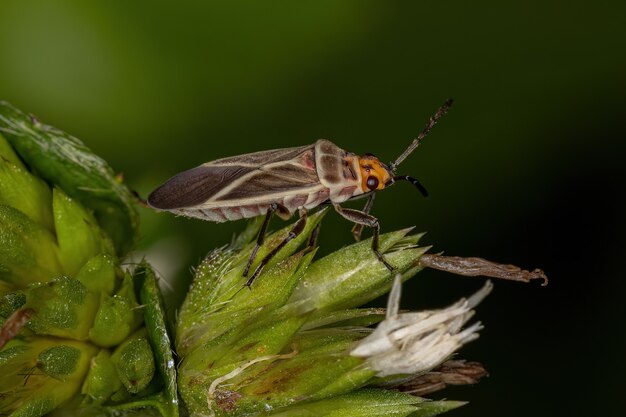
(529, 166)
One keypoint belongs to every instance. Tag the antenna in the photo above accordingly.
(413, 181)
(416, 142)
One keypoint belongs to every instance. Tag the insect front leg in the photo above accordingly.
(357, 229)
(293, 233)
(365, 219)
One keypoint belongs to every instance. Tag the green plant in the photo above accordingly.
(81, 333)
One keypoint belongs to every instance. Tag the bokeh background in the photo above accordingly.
(528, 168)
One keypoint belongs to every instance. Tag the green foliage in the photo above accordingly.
(24, 191)
(93, 339)
(64, 308)
(64, 160)
(103, 381)
(159, 336)
(41, 373)
(119, 314)
(64, 219)
(134, 362)
(29, 252)
(78, 235)
(371, 403)
(284, 344)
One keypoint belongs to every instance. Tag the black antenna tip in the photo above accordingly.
(446, 106)
(415, 183)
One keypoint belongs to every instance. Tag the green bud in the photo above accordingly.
(78, 234)
(65, 161)
(288, 339)
(41, 374)
(353, 276)
(63, 307)
(100, 274)
(25, 192)
(119, 315)
(217, 301)
(28, 252)
(60, 272)
(214, 335)
(274, 240)
(102, 381)
(134, 362)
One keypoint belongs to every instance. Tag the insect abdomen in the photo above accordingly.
(235, 212)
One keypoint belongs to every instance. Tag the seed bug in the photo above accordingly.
(283, 181)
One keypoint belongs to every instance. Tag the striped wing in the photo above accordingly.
(253, 178)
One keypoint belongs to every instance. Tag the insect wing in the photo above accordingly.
(239, 180)
(194, 186)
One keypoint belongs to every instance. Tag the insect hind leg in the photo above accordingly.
(313, 239)
(261, 237)
(282, 212)
(362, 218)
(293, 233)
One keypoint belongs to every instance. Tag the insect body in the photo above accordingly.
(247, 185)
(284, 181)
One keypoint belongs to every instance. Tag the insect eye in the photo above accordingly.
(372, 183)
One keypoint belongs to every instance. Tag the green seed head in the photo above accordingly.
(285, 340)
(65, 161)
(64, 221)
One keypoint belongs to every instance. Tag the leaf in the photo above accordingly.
(156, 325)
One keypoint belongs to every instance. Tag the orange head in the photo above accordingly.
(374, 174)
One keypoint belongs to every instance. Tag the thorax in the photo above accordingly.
(338, 170)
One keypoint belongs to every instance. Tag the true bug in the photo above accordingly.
(282, 181)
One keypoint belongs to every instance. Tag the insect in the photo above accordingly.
(283, 181)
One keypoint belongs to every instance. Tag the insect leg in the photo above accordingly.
(140, 200)
(364, 219)
(358, 228)
(261, 237)
(293, 233)
(313, 238)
